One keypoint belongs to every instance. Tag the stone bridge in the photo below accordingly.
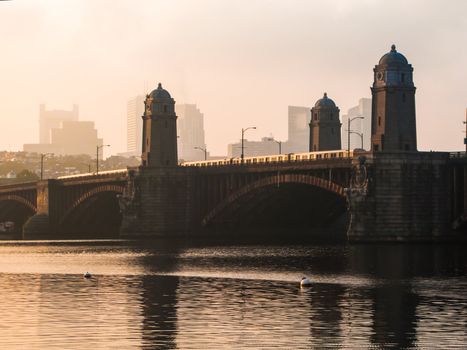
(371, 196)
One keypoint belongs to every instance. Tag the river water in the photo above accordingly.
(159, 295)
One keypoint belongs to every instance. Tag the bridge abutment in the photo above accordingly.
(399, 196)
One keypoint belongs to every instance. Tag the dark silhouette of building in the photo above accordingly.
(159, 129)
(393, 109)
(325, 126)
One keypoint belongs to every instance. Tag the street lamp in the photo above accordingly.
(205, 152)
(88, 165)
(43, 155)
(242, 156)
(280, 145)
(359, 134)
(97, 156)
(349, 120)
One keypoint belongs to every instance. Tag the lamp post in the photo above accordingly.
(350, 120)
(88, 165)
(242, 156)
(97, 156)
(280, 145)
(465, 138)
(43, 155)
(359, 134)
(205, 152)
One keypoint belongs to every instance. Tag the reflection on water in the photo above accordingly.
(168, 296)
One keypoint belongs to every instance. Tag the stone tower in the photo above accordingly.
(159, 130)
(393, 125)
(325, 126)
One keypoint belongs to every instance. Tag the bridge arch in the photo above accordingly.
(94, 210)
(16, 209)
(20, 200)
(258, 195)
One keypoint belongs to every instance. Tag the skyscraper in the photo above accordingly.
(51, 119)
(63, 134)
(190, 130)
(134, 123)
(299, 132)
(358, 126)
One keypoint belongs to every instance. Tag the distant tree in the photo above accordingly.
(27, 175)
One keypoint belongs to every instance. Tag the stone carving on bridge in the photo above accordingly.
(359, 178)
(129, 203)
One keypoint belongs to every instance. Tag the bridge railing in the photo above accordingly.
(273, 159)
(456, 155)
(107, 173)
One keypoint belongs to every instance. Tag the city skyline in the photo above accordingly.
(247, 72)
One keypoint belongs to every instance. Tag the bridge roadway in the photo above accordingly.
(420, 193)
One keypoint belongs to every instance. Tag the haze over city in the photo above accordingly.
(241, 62)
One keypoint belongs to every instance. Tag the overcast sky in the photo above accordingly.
(242, 62)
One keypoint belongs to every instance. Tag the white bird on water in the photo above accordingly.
(305, 282)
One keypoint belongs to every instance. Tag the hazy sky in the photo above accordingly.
(242, 62)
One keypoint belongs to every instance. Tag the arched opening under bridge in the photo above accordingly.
(14, 212)
(95, 214)
(284, 206)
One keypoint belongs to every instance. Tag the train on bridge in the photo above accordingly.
(277, 158)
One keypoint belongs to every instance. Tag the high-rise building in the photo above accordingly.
(63, 134)
(190, 131)
(76, 137)
(393, 105)
(134, 124)
(325, 126)
(299, 132)
(53, 119)
(360, 126)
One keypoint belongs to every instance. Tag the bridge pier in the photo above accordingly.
(399, 196)
(158, 202)
(39, 226)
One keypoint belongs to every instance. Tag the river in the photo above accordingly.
(174, 295)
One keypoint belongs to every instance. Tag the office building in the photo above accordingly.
(267, 146)
(190, 132)
(299, 130)
(63, 134)
(134, 123)
(52, 119)
(361, 128)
